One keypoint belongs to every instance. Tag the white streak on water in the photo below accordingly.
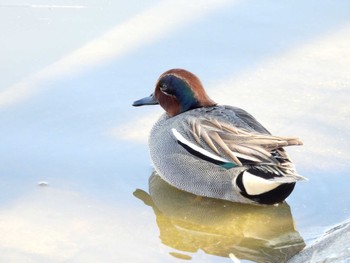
(139, 31)
(44, 6)
(303, 92)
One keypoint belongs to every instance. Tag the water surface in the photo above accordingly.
(70, 74)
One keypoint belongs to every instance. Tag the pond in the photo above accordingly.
(76, 180)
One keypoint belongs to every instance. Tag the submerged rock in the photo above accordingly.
(333, 246)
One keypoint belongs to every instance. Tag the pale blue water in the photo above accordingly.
(70, 123)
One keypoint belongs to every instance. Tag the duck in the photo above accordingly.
(213, 150)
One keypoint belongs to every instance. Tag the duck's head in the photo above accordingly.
(177, 91)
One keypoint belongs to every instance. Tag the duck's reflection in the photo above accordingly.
(188, 223)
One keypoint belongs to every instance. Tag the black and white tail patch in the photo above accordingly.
(262, 190)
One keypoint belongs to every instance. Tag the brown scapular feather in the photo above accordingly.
(210, 143)
(226, 149)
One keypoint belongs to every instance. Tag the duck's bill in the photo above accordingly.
(151, 100)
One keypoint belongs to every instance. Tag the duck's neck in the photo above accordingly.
(192, 98)
(188, 99)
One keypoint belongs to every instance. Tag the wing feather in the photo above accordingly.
(236, 143)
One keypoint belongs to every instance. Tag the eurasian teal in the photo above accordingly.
(215, 150)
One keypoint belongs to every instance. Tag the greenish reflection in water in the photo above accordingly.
(188, 223)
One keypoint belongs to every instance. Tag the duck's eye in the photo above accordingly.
(166, 89)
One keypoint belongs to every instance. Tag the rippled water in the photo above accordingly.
(76, 179)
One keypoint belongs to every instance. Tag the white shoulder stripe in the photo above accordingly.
(196, 148)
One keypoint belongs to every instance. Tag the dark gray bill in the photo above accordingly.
(151, 100)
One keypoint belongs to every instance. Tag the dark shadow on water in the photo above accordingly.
(188, 223)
